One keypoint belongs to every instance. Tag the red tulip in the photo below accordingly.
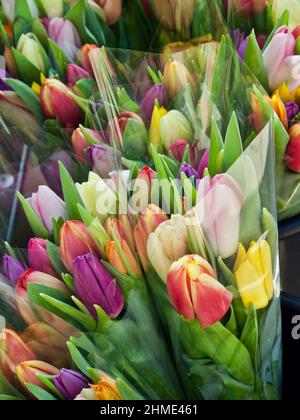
(195, 292)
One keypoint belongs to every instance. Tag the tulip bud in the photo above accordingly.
(27, 311)
(156, 93)
(12, 269)
(65, 35)
(292, 109)
(80, 143)
(203, 164)
(75, 241)
(76, 73)
(30, 48)
(253, 273)
(95, 286)
(292, 154)
(167, 244)
(49, 344)
(143, 184)
(13, 350)
(123, 231)
(154, 133)
(195, 291)
(70, 383)
(146, 225)
(280, 109)
(174, 126)
(53, 8)
(112, 10)
(83, 57)
(178, 150)
(176, 77)
(102, 159)
(57, 103)
(189, 171)
(38, 256)
(131, 266)
(47, 205)
(175, 14)
(27, 372)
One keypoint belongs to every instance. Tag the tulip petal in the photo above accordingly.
(266, 260)
(179, 292)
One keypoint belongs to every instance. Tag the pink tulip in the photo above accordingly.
(47, 205)
(280, 60)
(292, 154)
(203, 163)
(222, 201)
(38, 256)
(65, 35)
(76, 73)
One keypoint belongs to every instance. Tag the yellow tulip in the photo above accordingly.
(288, 96)
(253, 273)
(157, 115)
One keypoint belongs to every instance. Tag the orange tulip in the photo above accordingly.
(131, 266)
(280, 109)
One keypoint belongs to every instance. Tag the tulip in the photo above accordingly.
(102, 159)
(98, 198)
(95, 286)
(253, 273)
(122, 228)
(3, 75)
(13, 350)
(120, 124)
(247, 7)
(75, 73)
(156, 93)
(106, 389)
(292, 110)
(280, 109)
(189, 171)
(195, 292)
(57, 103)
(65, 35)
(203, 164)
(147, 224)
(167, 244)
(27, 372)
(32, 277)
(112, 9)
(75, 241)
(80, 143)
(143, 188)
(49, 344)
(178, 150)
(30, 48)
(53, 8)
(176, 77)
(9, 8)
(70, 383)
(174, 126)
(175, 14)
(47, 205)
(154, 133)
(288, 96)
(83, 57)
(12, 269)
(280, 61)
(292, 154)
(50, 169)
(38, 256)
(125, 263)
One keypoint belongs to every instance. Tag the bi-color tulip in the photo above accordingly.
(27, 373)
(195, 291)
(292, 154)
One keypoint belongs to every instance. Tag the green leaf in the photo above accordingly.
(69, 281)
(71, 195)
(46, 381)
(231, 325)
(78, 359)
(54, 255)
(28, 97)
(36, 225)
(216, 146)
(59, 59)
(233, 147)
(6, 387)
(135, 140)
(127, 392)
(270, 226)
(125, 102)
(40, 32)
(40, 393)
(253, 62)
(227, 273)
(10, 398)
(28, 72)
(77, 15)
(249, 336)
(22, 10)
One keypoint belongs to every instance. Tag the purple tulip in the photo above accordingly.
(12, 269)
(292, 110)
(95, 286)
(3, 75)
(65, 35)
(46, 204)
(188, 170)
(102, 159)
(70, 383)
(242, 48)
(76, 73)
(155, 93)
(50, 169)
(203, 163)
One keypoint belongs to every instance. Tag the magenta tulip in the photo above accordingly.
(38, 256)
